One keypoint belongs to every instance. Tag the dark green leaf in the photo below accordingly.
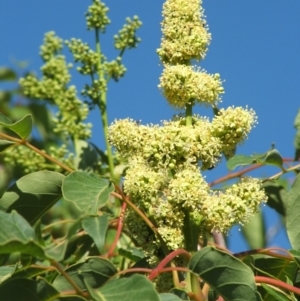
(88, 191)
(96, 227)
(293, 214)
(254, 231)
(276, 267)
(22, 127)
(86, 155)
(273, 157)
(38, 191)
(238, 160)
(168, 297)
(277, 195)
(19, 289)
(231, 278)
(278, 295)
(136, 287)
(132, 253)
(181, 294)
(96, 271)
(17, 235)
(30, 271)
(7, 74)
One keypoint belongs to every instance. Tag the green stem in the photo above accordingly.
(189, 113)
(103, 107)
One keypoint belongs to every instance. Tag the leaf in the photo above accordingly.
(96, 271)
(231, 278)
(271, 157)
(21, 289)
(136, 287)
(276, 267)
(17, 235)
(57, 251)
(277, 195)
(96, 227)
(5, 144)
(21, 127)
(254, 231)
(86, 155)
(87, 190)
(7, 74)
(132, 253)
(168, 297)
(31, 271)
(277, 294)
(38, 191)
(6, 272)
(238, 160)
(293, 214)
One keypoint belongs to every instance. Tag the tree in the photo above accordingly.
(81, 223)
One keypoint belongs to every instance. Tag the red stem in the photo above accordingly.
(277, 283)
(166, 260)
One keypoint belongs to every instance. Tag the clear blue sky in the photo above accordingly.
(255, 47)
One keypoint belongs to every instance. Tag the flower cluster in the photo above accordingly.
(53, 87)
(165, 161)
(96, 16)
(126, 37)
(185, 34)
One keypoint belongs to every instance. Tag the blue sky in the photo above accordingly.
(255, 47)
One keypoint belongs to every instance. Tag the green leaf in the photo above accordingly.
(231, 278)
(38, 191)
(278, 295)
(136, 287)
(277, 195)
(7, 74)
(276, 267)
(87, 190)
(273, 157)
(21, 289)
(254, 231)
(293, 214)
(132, 253)
(30, 271)
(96, 271)
(57, 251)
(6, 272)
(168, 297)
(5, 144)
(22, 127)
(17, 235)
(86, 155)
(96, 227)
(238, 160)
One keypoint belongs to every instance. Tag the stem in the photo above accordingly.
(189, 113)
(45, 155)
(102, 106)
(68, 278)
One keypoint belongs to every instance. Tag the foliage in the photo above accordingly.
(81, 223)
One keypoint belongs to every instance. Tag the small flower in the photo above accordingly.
(96, 16)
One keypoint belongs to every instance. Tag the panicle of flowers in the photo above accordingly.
(165, 161)
(96, 16)
(126, 37)
(182, 84)
(53, 87)
(185, 34)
